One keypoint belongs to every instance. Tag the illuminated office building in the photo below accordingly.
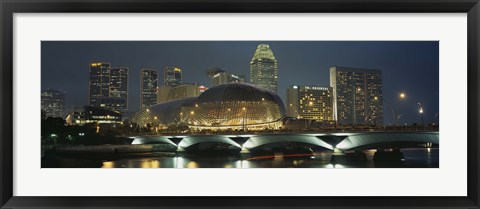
(95, 115)
(99, 82)
(219, 77)
(53, 102)
(263, 68)
(172, 76)
(108, 86)
(358, 97)
(149, 87)
(119, 88)
(310, 102)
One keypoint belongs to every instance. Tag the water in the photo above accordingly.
(413, 158)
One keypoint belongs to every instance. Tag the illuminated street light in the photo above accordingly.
(396, 115)
(420, 111)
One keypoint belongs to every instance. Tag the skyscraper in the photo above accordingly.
(219, 77)
(263, 68)
(172, 76)
(310, 102)
(119, 88)
(53, 102)
(357, 93)
(149, 87)
(99, 82)
(108, 86)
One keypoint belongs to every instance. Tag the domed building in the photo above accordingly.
(233, 106)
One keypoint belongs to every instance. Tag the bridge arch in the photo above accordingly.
(193, 140)
(152, 140)
(259, 140)
(371, 140)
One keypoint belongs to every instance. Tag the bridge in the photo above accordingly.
(336, 142)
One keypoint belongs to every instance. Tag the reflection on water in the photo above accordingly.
(413, 158)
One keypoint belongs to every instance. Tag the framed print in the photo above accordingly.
(266, 104)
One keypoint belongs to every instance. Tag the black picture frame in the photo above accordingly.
(9, 7)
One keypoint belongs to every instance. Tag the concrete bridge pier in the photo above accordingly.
(180, 149)
(245, 153)
(339, 156)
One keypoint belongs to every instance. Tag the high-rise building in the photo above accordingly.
(263, 68)
(310, 102)
(172, 76)
(219, 77)
(119, 88)
(108, 86)
(149, 87)
(358, 97)
(99, 82)
(53, 102)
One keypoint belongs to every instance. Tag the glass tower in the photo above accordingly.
(119, 88)
(172, 76)
(108, 86)
(263, 68)
(219, 77)
(53, 102)
(357, 94)
(149, 87)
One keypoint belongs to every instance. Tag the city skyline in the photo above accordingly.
(307, 71)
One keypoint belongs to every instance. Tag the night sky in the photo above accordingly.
(408, 66)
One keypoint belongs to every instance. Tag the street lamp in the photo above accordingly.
(420, 111)
(395, 114)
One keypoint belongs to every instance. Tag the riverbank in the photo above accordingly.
(114, 149)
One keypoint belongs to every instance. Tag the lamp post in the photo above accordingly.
(394, 110)
(192, 117)
(420, 111)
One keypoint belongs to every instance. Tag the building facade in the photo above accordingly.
(219, 77)
(172, 76)
(108, 86)
(310, 102)
(119, 88)
(168, 93)
(99, 82)
(53, 103)
(184, 91)
(263, 68)
(358, 97)
(96, 115)
(148, 87)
